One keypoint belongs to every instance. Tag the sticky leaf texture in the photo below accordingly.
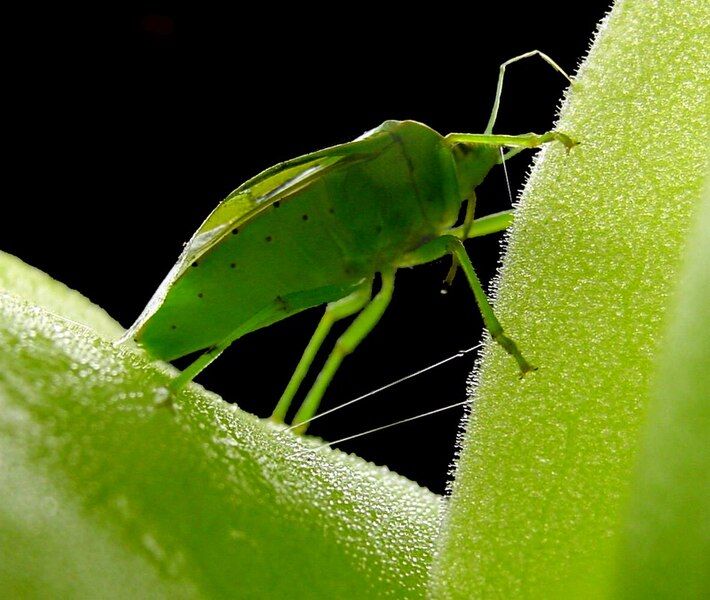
(593, 258)
(666, 540)
(106, 493)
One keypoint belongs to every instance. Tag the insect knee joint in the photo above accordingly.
(453, 242)
(343, 348)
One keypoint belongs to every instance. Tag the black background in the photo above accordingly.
(125, 127)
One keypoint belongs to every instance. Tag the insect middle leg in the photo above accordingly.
(335, 311)
(465, 232)
(489, 318)
(484, 226)
(449, 244)
(346, 344)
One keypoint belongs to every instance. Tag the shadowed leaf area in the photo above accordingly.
(593, 259)
(108, 494)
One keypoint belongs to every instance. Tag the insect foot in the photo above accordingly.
(525, 370)
(163, 398)
(566, 140)
(512, 348)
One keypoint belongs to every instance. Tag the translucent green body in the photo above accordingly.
(313, 241)
(317, 230)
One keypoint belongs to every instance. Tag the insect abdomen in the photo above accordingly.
(315, 245)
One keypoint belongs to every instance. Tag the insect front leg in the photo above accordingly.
(335, 311)
(525, 140)
(346, 344)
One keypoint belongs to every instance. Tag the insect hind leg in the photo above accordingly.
(335, 311)
(346, 344)
(210, 354)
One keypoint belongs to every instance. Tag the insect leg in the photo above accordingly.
(466, 230)
(492, 324)
(485, 225)
(511, 153)
(525, 140)
(440, 246)
(501, 76)
(345, 345)
(204, 360)
(334, 312)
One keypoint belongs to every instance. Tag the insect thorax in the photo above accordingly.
(473, 162)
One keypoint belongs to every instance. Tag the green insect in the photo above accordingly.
(317, 230)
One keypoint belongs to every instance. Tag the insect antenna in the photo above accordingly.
(459, 354)
(383, 427)
(505, 172)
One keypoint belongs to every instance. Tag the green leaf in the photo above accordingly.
(35, 287)
(107, 494)
(666, 545)
(594, 254)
